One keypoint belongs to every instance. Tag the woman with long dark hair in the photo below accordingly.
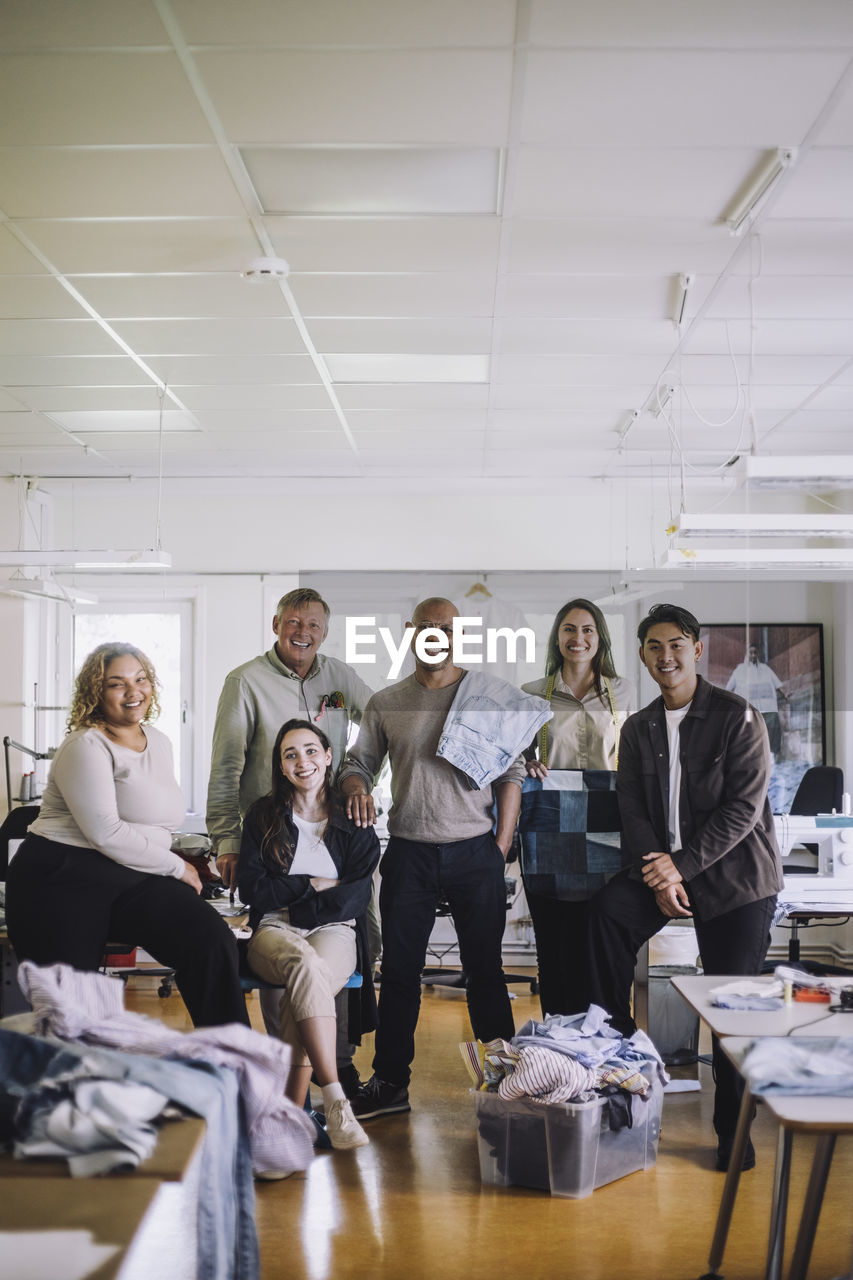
(590, 704)
(307, 871)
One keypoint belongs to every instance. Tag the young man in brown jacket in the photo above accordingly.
(692, 784)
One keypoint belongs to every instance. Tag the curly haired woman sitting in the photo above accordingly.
(97, 863)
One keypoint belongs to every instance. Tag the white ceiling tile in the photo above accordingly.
(568, 462)
(36, 297)
(55, 24)
(131, 421)
(378, 445)
(591, 335)
(673, 24)
(375, 180)
(585, 370)
(118, 98)
(771, 337)
(573, 430)
(588, 390)
(255, 397)
(786, 297)
(635, 184)
(820, 186)
(254, 370)
(199, 336)
(50, 182)
(105, 398)
(222, 295)
(628, 297)
(218, 423)
(387, 244)
(435, 294)
(578, 403)
(409, 426)
(795, 246)
(407, 368)
(14, 258)
(783, 370)
(614, 98)
(345, 96)
(337, 22)
(838, 129)
(616, 246)
(464, 335)
(178, 244)
(837, 398)
(418, 397)
(46, 337)
(68, 371)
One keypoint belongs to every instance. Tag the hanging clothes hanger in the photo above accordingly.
(479, 589)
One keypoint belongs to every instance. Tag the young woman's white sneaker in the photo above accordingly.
(342, 1127)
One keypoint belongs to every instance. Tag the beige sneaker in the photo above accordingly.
(342, 1127)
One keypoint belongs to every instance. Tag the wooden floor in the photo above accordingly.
(411, 1205)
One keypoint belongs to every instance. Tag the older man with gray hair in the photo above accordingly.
(291, 680)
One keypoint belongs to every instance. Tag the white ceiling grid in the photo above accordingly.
(484, 206)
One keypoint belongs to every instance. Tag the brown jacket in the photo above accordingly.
(729, 855)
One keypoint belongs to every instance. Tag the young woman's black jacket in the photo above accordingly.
(265, 887)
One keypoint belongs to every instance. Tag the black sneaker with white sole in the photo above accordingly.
(379, 1098)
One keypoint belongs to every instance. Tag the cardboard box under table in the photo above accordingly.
(566, 1148)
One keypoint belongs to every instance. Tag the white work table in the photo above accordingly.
(825, 1116)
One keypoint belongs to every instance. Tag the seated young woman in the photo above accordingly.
(97, 864)
(306, 871)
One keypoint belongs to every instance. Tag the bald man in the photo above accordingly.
(441, 845)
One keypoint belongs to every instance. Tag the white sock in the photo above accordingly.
(331, 1093)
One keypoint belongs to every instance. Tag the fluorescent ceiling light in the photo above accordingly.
(749, 525)
(146, 559)
(756, 191)
(758, 558)
(407, 368)
(800, 471)
(684, 283)
(43, 589)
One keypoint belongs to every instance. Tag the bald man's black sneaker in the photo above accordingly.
(379, 1098)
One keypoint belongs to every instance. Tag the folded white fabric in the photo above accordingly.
(104, 1125)
(748, 993)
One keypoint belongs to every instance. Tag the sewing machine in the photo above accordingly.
(833, 835)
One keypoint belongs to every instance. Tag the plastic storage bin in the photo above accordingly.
(567, 1148)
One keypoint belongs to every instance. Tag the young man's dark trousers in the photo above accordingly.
(623, 915)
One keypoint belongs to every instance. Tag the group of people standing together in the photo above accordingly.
(291, 817)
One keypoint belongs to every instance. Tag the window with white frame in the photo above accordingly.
(163, 631)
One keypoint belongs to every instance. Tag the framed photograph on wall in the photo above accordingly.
(778, 668)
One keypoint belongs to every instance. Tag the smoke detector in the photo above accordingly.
(267, 269)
